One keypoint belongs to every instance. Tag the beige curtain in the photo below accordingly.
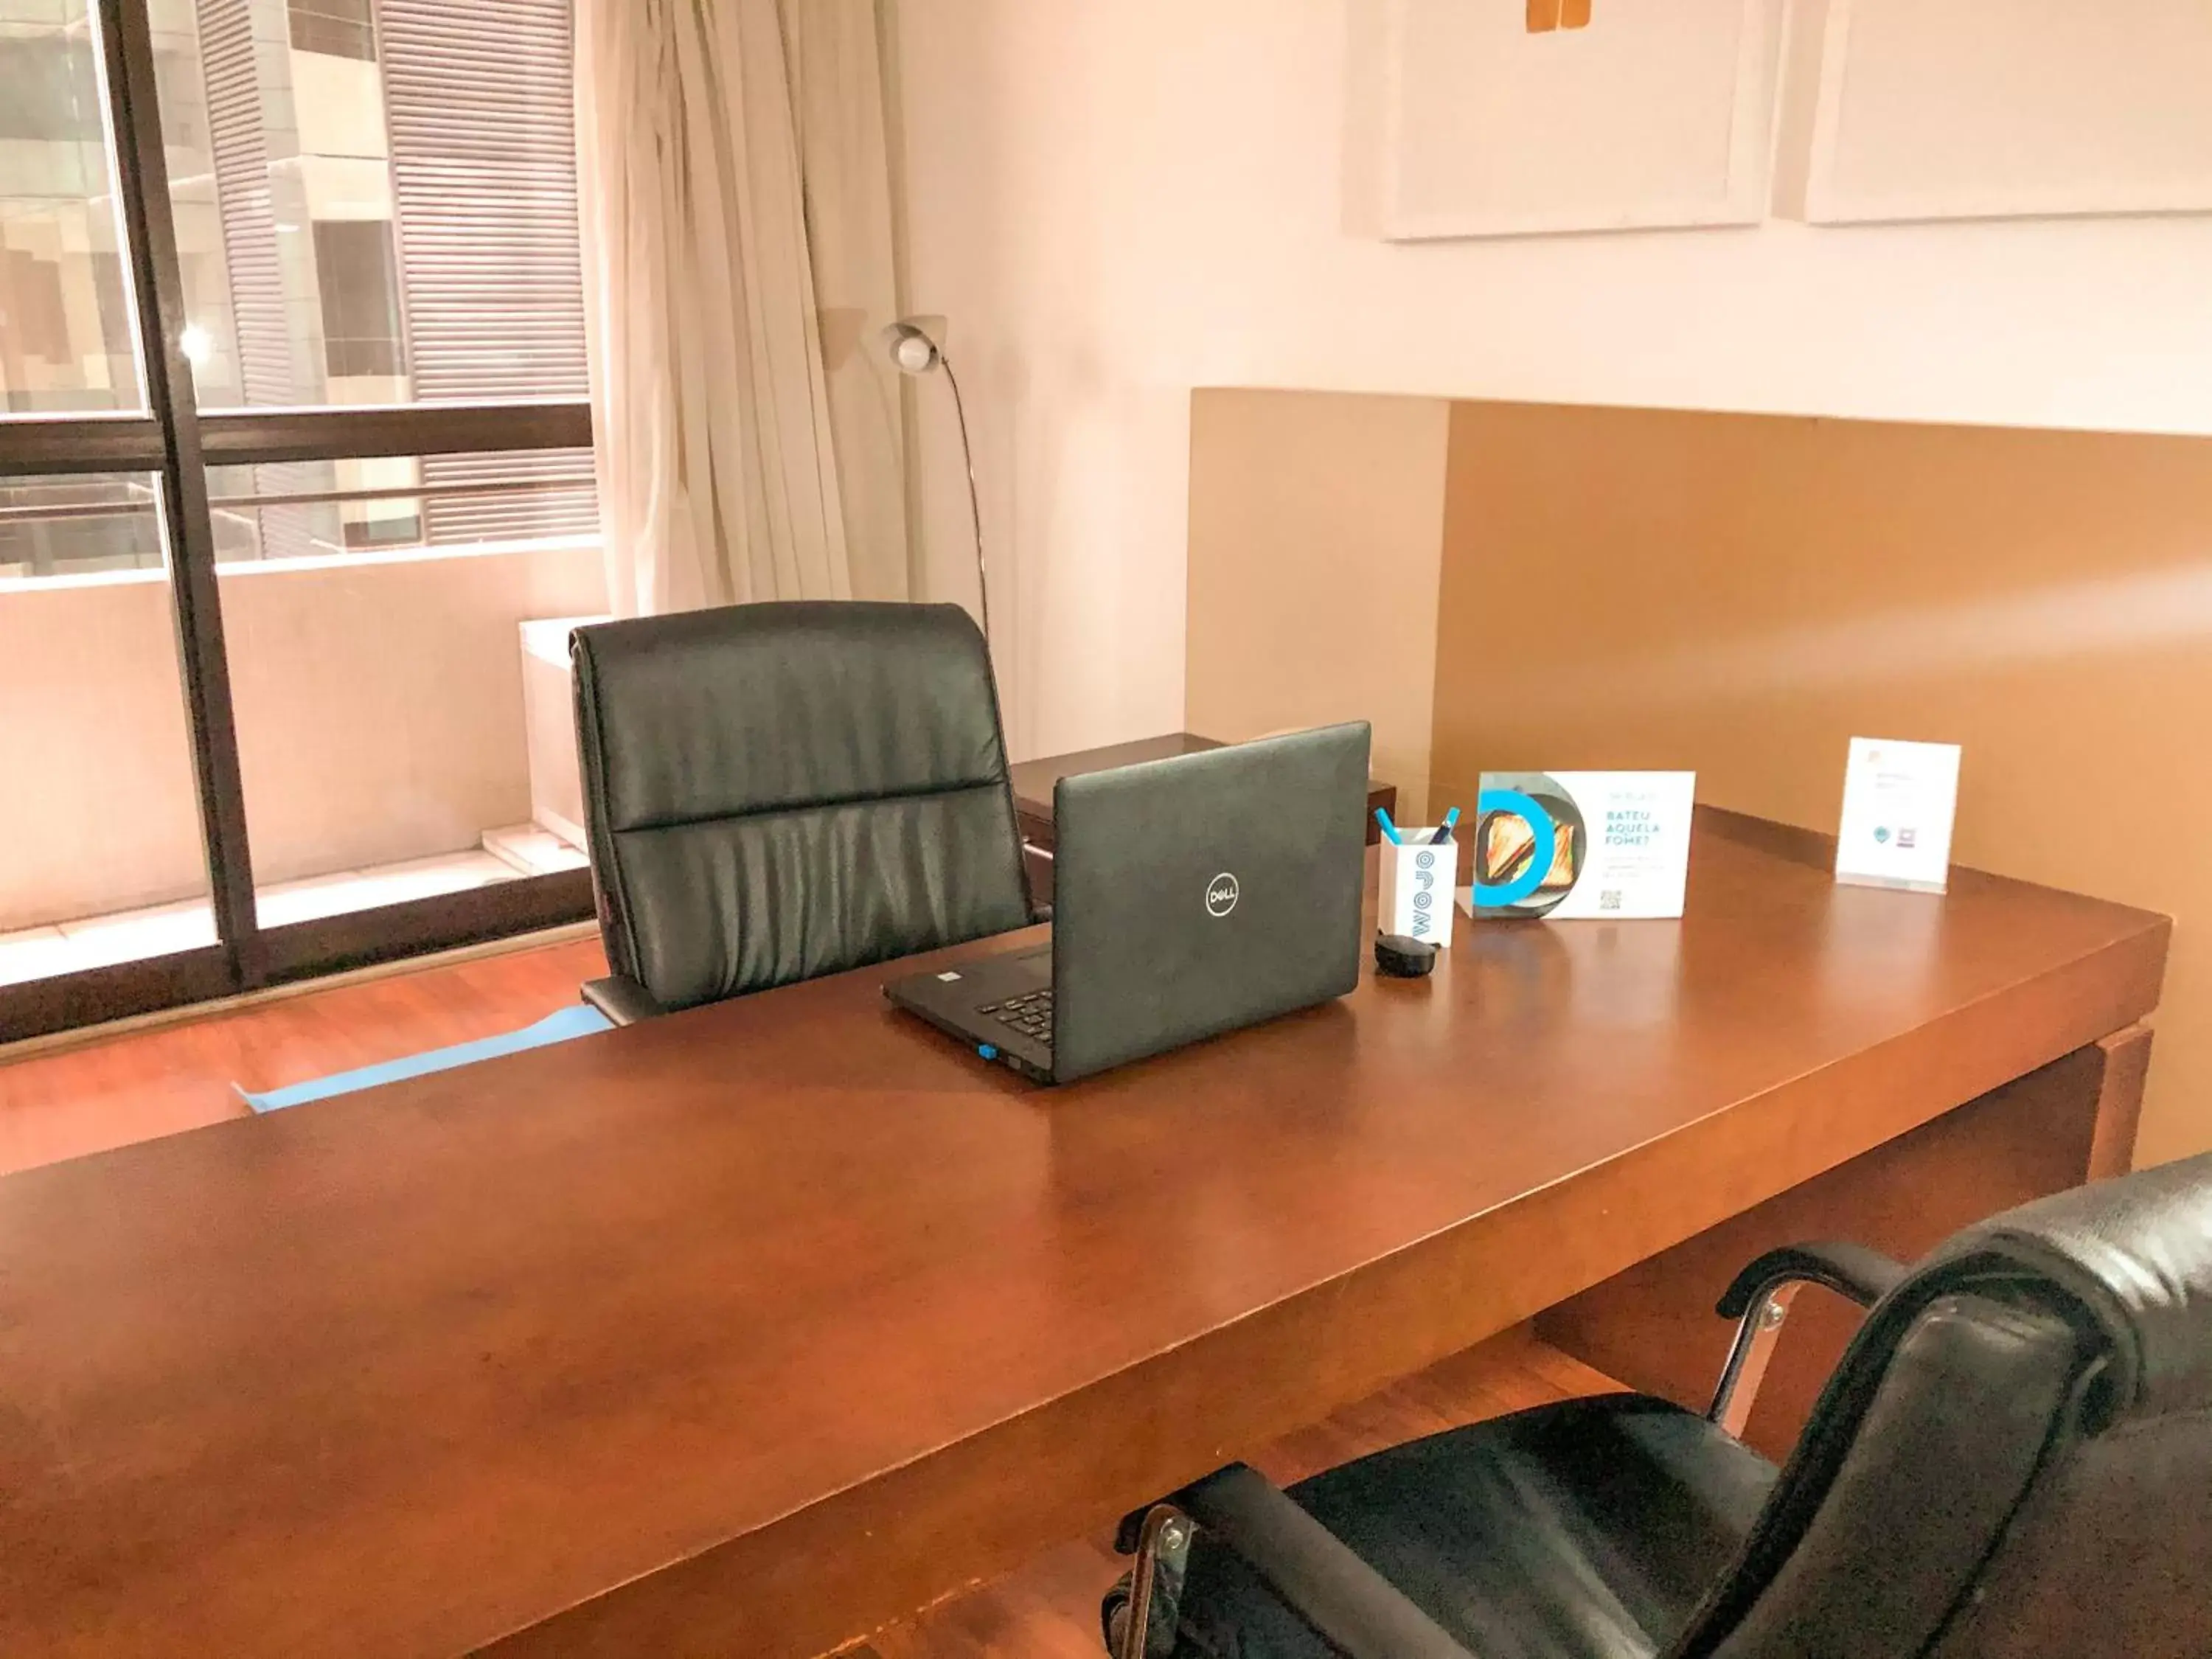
(738, 261)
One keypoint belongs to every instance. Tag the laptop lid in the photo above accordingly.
(1204, 892)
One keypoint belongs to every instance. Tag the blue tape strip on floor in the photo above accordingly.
(580, 1021)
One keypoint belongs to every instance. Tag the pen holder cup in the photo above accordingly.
(1416, 890)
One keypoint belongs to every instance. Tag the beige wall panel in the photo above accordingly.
(1316, 524)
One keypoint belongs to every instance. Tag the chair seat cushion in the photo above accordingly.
(1587, 1529)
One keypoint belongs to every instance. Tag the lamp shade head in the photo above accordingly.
(910, 347)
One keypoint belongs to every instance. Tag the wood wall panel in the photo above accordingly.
(1739, 594)
(1654, 1326)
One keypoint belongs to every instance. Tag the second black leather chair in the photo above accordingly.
(2014, 1460)
(779, 791)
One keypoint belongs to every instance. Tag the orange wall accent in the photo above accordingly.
(1740, 594)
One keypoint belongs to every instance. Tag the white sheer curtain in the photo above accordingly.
(736, 203)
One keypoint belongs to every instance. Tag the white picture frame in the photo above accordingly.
(1684, 91)
(1995, 109)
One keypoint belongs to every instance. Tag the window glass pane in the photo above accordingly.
(399, 662)
(396, 503)
(78, 525)
(65, 335)
(104, 861)
(374, 204)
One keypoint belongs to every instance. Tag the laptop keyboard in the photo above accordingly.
(1029, 1013)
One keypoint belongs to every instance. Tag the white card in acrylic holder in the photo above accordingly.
(1417, 886)
(1900, 800)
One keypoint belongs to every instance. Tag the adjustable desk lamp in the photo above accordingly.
(915, 351)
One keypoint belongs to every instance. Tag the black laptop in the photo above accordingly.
(1191, 897)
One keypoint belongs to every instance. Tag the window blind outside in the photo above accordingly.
(481, 119)
(238, 144)
(238, 140)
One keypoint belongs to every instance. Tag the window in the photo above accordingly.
(274, 698)
(385, 212)
(341, 28)
(77, 526)
(48, 91)
(359, 293)
(383, 504)
(31, 300)
(65, 327)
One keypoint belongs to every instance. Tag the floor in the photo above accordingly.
(65, 1103)
(158, 930)
(1048, 1609)
(57, 1103)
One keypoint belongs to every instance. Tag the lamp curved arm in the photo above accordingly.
(974, 507)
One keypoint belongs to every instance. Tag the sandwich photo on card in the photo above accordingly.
(1504, 842)
(1508, 843)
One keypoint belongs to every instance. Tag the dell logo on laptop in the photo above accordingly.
(1221, 895)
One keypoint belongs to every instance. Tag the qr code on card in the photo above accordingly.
(1609, 899)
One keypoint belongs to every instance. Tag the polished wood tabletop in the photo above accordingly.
(739, 1331)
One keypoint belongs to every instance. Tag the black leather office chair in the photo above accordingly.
(2013, 1459)
(779, 791)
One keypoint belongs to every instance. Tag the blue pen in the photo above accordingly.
(1382, 818)
(1444, 830)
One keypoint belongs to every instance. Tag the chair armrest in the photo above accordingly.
(1353, 1605)
(1759, 1299)
(1850, 1270)
(622, 999)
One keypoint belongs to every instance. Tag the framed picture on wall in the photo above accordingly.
(1515, 118)
(1978, 109)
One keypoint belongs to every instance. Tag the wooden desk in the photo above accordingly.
(1034, 781)
(741, 1331)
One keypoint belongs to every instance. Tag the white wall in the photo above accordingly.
(1115, 200)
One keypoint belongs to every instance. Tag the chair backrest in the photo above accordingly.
(2014, 1460)
(779, 791)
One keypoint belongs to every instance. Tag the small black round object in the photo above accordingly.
(1403, 957)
